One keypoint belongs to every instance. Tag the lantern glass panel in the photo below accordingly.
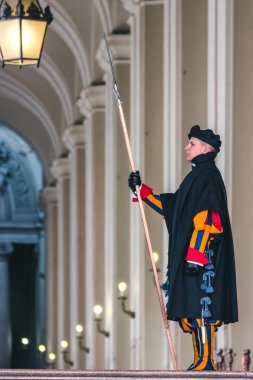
(32, 38)
(10, 39)
(26, 34)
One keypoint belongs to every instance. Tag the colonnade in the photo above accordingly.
(94, 235)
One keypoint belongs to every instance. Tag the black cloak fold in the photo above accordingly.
(202, 189)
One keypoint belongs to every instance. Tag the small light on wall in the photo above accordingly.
(156, 259)
(98, 310)
(155, 256)
(25, 341)
(64, 345)
(79, 337)
(42, 348)
(122, 286)
(51, 360)
(52, 357)
(79, 330)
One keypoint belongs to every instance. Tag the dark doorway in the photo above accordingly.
(23, 267)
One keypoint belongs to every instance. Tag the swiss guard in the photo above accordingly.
(201, 279)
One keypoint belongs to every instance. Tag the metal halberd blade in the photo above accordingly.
(115, 87)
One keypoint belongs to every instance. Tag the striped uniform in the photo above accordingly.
(206, 227)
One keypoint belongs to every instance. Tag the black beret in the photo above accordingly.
(207, 136)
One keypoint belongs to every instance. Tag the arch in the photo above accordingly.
(13, 89)
(66, 30)
(105, 15)
(21, 177)
(52, 74)
(22, 238)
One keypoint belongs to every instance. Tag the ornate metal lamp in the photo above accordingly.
(23, 26)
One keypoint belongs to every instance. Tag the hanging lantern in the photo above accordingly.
(23, 26)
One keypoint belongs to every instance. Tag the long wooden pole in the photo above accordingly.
(150, 249)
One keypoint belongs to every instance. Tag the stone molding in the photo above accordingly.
(49, 195)
(131, 6)
(151, 2)
(74, 137)
(61, 168)
(119, 45)
(92, 99)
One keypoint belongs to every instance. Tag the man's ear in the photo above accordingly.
(206, 149)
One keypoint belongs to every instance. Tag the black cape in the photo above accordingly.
(202, 189)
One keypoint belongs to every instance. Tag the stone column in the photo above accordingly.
(242, 205)
(172, 147)
(60, 169)
(74, 139)
(51, 211)
(172, 94)
(116, 205)
(220, 97)
(146, 24)
(5, 331)
(220, 82)
(91, 105)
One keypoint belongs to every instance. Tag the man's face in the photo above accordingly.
(194, 148)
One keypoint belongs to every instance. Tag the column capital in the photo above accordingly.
(92, 99)
(119, 45)
(61, 168)
(131, 5)
(74, 137)
(49, 194)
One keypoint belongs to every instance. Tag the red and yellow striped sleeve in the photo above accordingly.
(150, 198)
(207, 224)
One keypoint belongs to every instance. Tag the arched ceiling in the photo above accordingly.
(39, 103)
